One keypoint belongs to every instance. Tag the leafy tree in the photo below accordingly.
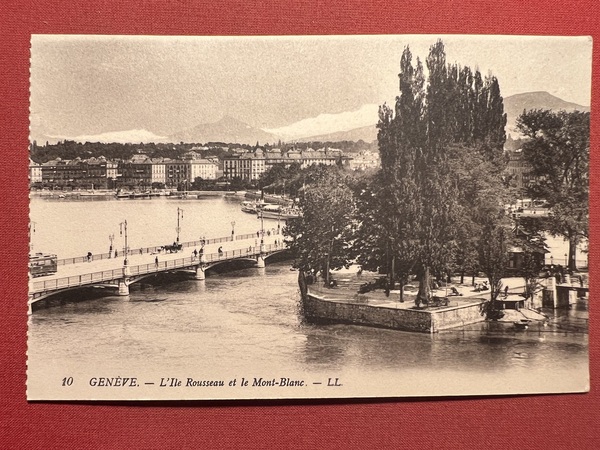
(493, 255)
(321, 237)
(558, 150)
(280, 176)
(435, 127)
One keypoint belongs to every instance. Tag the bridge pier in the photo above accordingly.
(123, 287)
(260, 262)
(200, 275)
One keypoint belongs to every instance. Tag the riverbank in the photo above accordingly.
(344, 304)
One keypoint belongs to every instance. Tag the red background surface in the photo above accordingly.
(552, 421)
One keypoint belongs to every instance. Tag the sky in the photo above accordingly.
(87, 85)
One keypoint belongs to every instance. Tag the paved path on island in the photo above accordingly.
(349, 283)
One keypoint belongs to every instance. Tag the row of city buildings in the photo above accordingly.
(139, 172)
(142, 172)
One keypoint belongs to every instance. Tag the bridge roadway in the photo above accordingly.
(113, 272)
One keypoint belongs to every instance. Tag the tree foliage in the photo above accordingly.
(558, 151)
(441, 156)
(321, 238)
(279, 177)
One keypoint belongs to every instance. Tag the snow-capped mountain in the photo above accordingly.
(367, 134)
(227, 130)
(325, 124)
(349, 125)
(120, 137)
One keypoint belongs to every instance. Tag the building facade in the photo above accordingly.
(94, 173)
(202, 168)
(365, 160)
(35, 172)
(518, 169)
(250, 166)
(177, 173)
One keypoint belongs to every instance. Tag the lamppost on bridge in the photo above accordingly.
(32, 225)
(111, 238)
(179, 215)
(232, 229)
(279, 221)
(123, 231)
(262, 232)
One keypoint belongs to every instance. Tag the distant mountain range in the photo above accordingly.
(513, 107)
(516, 104)
(329, 124)
(228, 130)
(346, 126)
(349, 125)
(367, 134)
(120, 137)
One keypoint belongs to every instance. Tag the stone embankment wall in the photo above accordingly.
(457, 316)
(426, 321)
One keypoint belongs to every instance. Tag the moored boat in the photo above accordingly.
(280, 212)
(249, 207)
(254, 206)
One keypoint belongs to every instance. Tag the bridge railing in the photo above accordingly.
(76, 280)
(267, 232)
(241, 237)
(141, 251)
(143, 269)
(155, 249)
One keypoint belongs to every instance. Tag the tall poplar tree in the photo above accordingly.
(436, 124)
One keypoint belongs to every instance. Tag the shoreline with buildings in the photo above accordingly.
(141, 172)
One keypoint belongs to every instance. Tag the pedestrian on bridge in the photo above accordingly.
(156, 261)
(220, 251)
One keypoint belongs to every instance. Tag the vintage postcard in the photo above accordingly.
(308, 216)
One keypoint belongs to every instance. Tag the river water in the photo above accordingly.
(247, 324)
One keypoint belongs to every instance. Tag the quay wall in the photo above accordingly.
(320, 310)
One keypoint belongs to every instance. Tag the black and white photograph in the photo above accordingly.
(306, 217)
